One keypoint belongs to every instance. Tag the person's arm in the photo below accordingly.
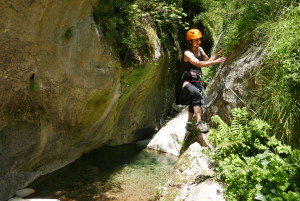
(189, 57)
(216, 55)
(206, 58)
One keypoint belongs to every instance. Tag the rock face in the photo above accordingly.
(173, 138)
(169, 138)
(238, 72)
(61, 92)
(191, 179)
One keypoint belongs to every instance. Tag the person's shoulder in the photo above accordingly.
(187, 52)
(187, 55)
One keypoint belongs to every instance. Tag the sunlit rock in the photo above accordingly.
(25, 192)
(169, 138)
(238, 78)
(191, 178)
(42, 200)
(16, 199)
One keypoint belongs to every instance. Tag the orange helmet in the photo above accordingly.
(193, 34)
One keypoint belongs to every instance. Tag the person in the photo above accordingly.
(194, 59)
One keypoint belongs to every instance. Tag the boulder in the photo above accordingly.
(170, 138)
(238, 78)
(41, 199)
(16, 199)
(191, 178)
(25, 192)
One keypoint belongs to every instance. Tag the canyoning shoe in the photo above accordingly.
(202, 127)
(189, 126)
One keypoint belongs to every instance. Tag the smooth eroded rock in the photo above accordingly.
(170, 137)
(191, 178)
(16, 199)
(25, 192)
(41, 200)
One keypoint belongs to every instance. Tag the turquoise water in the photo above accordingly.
(124, 173)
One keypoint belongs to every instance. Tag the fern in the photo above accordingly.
(253, 165)
(239, 122)
(216, 135)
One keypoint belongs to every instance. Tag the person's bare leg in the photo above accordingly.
(190, 117)
(189, 124)
(197, 110)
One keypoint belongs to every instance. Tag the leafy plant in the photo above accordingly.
(128, 21)
(274, 24)
(159, 189)
(253, 165)
(280, 77)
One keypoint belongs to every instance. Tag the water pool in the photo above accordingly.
(124, 173)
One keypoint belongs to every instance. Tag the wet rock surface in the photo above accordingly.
(191, 179)
(61, 93)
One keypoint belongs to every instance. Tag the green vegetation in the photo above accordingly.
(239, 20)
(132, 77)
(274, 24)
(159, 189)
(126, 23)
(253, 165)
(237, 25)
(280, 75)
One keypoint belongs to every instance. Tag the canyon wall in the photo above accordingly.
(61, 88)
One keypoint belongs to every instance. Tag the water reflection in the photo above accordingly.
(126, 172)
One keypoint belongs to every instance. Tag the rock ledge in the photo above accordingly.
(191, 178)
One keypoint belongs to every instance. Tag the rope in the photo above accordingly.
(220, 89)
(241, 99)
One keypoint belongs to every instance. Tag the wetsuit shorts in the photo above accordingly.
(196, 95)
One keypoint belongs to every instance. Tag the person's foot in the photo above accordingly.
(202, 127)
(189, 126)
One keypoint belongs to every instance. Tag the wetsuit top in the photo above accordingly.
(193, 73)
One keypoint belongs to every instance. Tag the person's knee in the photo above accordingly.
(191, 109)
(196, 106)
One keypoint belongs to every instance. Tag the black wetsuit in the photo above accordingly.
(192, 81)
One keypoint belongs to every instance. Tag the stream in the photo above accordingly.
(125, 173)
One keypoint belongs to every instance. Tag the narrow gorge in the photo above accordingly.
(63, 92)
(77, 76)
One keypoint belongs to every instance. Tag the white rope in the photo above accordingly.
(228, 87)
